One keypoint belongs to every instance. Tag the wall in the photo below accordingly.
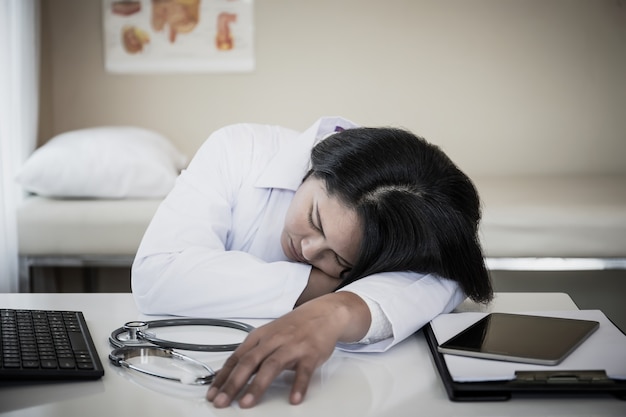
(504, 86)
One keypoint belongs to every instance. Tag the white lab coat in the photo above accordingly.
(213, 247)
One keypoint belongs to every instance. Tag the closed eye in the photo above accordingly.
(310, 218)
(342, 274)
(345, 265)
(342, 262)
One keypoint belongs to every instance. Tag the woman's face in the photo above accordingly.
(321, 231)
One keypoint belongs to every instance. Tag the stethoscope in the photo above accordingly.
(133, 340)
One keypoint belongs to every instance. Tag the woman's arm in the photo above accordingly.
(213, 248)
(304, 339)
(301, 341)
(408, 300)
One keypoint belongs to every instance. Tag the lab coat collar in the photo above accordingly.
(291, 163)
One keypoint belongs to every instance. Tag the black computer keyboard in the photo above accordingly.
(46, 345)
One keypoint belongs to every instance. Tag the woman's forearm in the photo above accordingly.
(345, 311)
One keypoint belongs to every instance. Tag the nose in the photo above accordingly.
(312, 247)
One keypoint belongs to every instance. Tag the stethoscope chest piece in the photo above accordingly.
(132, 333)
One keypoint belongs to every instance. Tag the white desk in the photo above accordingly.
(400, 382)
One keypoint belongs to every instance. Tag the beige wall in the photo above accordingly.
(504, 86)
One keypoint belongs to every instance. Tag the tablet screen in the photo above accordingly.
(520, 338)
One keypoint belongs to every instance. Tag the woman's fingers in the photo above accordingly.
(252, 372)
(237, 370)
(304, 373)
(229, 382)
(278, 348)
(270, 368)
(232, 361)
(265, 369)
(301, 341)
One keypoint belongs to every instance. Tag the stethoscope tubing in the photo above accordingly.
(142, 335)
(118, 358)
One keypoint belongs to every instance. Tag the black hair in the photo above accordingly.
(419, 212)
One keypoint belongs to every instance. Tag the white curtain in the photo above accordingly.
(19, 103)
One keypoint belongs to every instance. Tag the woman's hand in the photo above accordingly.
(319, 284)
(300, 341)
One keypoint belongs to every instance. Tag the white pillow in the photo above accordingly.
(103, 162)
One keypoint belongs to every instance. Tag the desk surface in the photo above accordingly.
(400, 382)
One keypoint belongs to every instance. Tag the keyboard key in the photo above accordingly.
(12, 364)
(85, 365)
(67, 363)
(30, 364)
(49, 363)
(77, 341)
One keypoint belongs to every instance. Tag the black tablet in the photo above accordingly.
(520, 338)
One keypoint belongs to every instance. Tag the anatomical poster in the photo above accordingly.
(157, 36)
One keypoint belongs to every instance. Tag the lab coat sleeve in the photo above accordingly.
(182, 266)
(409, 300)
